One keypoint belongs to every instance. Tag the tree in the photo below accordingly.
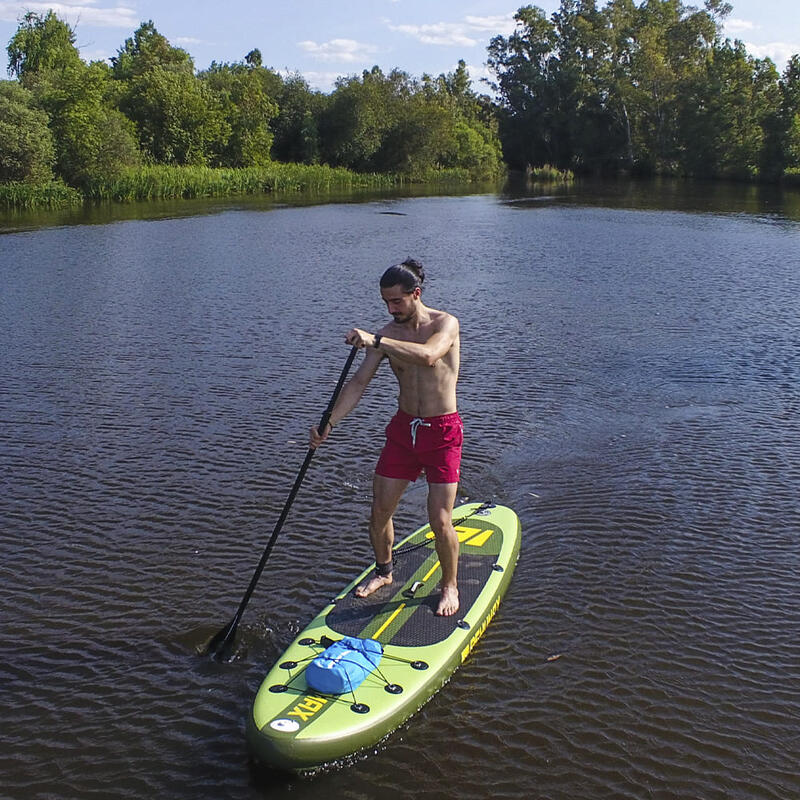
(253, 58)
(248, 110)
(296, 125)
(27, 152)
(178, 118)
(728, 114)
(41, 43)
(588, 88)
(93, 138)
(358, 116)
(465, 136)
(146, 50)
(418, 140)
(790, 114)
(526, 64)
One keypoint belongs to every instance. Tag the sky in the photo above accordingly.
(324, 39)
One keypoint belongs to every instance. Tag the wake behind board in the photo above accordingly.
(293, 726)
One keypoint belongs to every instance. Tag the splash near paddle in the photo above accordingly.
(388, 653)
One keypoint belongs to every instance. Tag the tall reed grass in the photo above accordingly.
(47, 195)
(160, 182)
(166, 182)
(549, 173)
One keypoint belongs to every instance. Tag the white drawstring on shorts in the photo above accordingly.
(415, 424)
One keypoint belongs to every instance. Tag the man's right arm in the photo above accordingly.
(350, 395)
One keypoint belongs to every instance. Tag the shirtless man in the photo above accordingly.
(422, 345)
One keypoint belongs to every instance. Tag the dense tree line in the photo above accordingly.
(149, 106)
(644, 88)
(648, 88)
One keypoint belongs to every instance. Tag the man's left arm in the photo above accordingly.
(426, 353)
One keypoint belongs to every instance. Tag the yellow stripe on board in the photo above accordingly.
(388, 621)
(431, 571)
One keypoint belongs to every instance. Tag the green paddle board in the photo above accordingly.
(293, 726)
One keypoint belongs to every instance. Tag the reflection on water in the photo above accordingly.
(766, 201)
(630, 386)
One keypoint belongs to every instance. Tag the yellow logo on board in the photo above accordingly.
(477, 537)
(307, 708)
(480, 630)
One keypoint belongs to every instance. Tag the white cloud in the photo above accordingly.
(441, 33)
(738, 25)
(321, 81)
(80, 12)
(347, 51)
(187, 40)
(498, 24)
(468, 33)
(779, 52)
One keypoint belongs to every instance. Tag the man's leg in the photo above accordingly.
(441, 499)
(386, 494)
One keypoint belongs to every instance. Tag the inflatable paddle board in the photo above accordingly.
(296, 726)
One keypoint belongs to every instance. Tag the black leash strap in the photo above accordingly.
(456, 522)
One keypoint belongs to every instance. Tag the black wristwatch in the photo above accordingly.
(377, 342)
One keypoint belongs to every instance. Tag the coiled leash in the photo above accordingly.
(401, 551)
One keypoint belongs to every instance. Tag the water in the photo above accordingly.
(630, 385)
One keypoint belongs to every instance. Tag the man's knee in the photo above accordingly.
(381, 512)
(441, 523)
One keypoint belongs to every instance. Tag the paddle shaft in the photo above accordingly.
(227, 633)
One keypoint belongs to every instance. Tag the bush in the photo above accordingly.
(54, 194)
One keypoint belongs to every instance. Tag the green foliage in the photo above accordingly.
(151, 107)
(391, 122)
(41, 43)
(790, 116)
(644, 87)
(647, 88)
(146, 50)
(165, 182)
(296, 127)
(549, 174)
(253, 58)
(92, 137)
(178, 118)
(725, 122)
(53, 194)
(27, 152)
(242, 93)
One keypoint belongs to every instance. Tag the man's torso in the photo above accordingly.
(426, 391)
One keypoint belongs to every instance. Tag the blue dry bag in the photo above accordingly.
(343, 666)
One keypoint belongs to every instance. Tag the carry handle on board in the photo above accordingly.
(221, 644)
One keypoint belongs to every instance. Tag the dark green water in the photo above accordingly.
(630, 385)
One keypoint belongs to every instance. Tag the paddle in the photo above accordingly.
(222, 643)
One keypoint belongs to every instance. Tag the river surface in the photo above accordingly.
(630, 386)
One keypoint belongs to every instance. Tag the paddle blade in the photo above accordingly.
(220, 646)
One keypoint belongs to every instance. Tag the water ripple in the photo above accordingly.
(155, 397)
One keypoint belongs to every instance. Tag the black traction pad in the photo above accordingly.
(351, 615)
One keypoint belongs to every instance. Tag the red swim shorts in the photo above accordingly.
(417, 443)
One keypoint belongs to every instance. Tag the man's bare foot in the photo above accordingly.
(448, 604)
(372, 585)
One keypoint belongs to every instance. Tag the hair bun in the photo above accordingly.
(410, 275)
(416, 267)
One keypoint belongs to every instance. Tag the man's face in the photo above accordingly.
(402, 305)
